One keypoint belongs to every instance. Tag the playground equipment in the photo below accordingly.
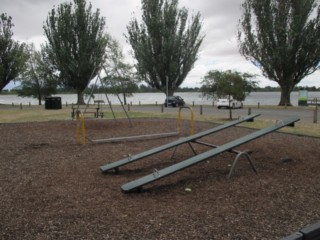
(176, 143)
(81, 131)
(158, 174)
(133, 138)
(191, 119)
(137, 184)
(97, 110)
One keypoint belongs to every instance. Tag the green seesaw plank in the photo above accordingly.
(136, 184)
(178, 142)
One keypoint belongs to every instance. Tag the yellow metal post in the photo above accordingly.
(81, 130)
(191, 120)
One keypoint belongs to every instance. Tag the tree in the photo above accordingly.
(119, 75)
(164, 45)
(37, 80)
(282, 38)
(12, 53)
(228, 84)
(76, 44)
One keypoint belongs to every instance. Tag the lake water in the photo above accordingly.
(264, 98)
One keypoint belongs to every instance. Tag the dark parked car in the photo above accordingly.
(174, 101)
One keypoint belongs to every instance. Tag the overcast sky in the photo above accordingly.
(219, 50)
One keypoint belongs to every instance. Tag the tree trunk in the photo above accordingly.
(285, 96)
(39, 98)
(124, 99)
(170, 92)
(80, 98)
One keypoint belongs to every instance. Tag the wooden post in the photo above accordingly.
(20, 105)
(128, 107)
(162, 108)
(315, 116)
(249, 111)
(258, 104)
(201, 110)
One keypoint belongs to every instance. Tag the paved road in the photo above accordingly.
(306, 115)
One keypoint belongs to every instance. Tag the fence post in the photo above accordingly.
(162, 108)
(21, 106)
(315, 116)
(201, 110)
(249, 111)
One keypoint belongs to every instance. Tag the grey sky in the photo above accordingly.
(219, 50)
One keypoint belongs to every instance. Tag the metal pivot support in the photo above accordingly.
(247, 155)
(175, 149)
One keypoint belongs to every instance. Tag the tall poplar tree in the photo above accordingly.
(76, 43)
(282, 37)
(165, 44)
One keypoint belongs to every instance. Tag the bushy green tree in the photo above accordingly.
(282, 38)
(165, 44)
(76, 43)
(228, 83)
(37, 80)
(12, 53)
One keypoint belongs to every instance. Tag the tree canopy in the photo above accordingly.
(120, 77)
(228, 83)
(12, 53)
(76, 43)
(282, 38)
(165, 44)
(37, 80)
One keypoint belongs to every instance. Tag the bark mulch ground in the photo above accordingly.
(52, 188)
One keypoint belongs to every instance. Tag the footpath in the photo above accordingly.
(306, 115)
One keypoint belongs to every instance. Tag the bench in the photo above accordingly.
(94, 110)
(98, 101)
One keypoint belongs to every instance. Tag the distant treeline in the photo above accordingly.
(297, 88)
(146, 89)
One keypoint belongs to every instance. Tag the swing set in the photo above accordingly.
(81, 131)
(96, 110)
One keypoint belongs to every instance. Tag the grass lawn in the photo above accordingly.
(10, 114)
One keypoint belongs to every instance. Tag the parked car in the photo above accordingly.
(226, 103)
(174, 101)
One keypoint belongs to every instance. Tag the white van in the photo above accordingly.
(224, 103)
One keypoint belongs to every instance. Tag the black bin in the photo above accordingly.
(53, 103)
